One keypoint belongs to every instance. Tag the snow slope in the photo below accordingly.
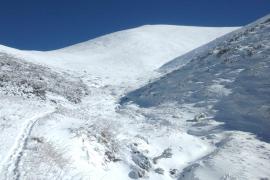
(229, 81)
(234, 70)
(86, 134)
(128, 54)
(60, 116)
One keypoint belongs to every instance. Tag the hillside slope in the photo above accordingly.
(128, 54)
(60, 116)
(226, 81)
(233, 76)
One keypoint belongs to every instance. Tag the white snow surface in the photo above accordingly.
(97, 138)
(128, 54)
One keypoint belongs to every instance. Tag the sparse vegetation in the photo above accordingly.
(46, 160)
(21, 78)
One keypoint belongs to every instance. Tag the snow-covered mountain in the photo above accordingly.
(126, 55)
(231, 72)
(61, 116)
(228, 80)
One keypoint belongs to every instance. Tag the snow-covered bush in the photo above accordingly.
(102, 137)
(21, 78)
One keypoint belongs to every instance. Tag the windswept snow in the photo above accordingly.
(76, 128)
(229, 81)
(126, 55)
(226, 76)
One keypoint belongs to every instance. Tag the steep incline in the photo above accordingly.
(232, 78)
(228, 81)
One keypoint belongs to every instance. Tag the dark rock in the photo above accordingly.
(136, 174)
(142, 161)
(173, 172)
(159, 171)
(110, 156)
(167, 153)
(199, 117)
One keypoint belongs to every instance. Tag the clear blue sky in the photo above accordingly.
(52, 24)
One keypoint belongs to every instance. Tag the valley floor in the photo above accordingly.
(100, 139)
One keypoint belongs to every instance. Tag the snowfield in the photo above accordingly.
(126, 55)
(153, 102)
